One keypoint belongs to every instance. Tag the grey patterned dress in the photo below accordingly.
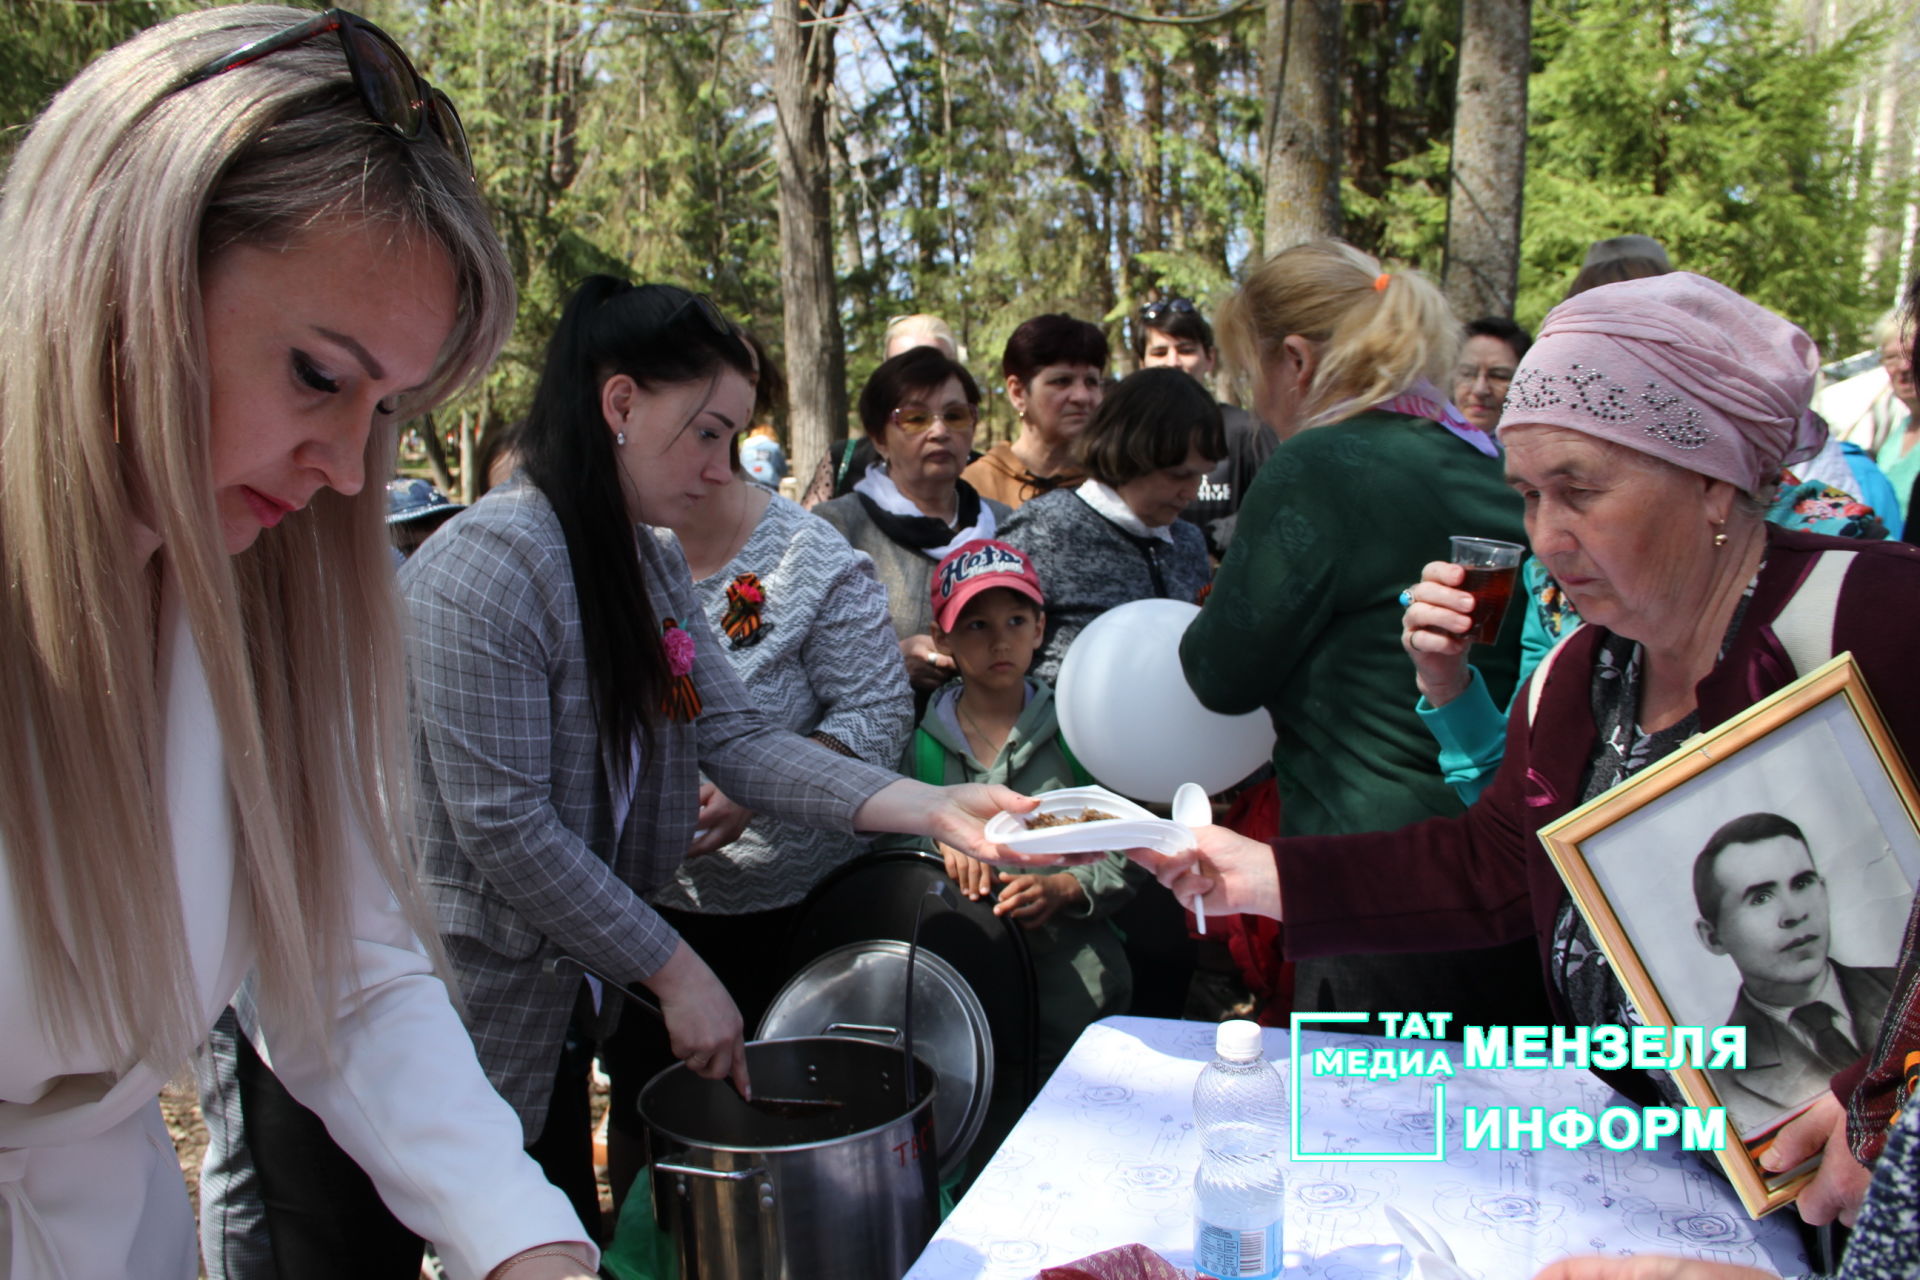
(817, 653)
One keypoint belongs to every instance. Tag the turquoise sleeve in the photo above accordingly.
(1472, 733)
(1536, 637)
(1471, 730)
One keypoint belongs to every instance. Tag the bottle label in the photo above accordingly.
(1237, 1255)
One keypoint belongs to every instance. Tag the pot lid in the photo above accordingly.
(858, 991)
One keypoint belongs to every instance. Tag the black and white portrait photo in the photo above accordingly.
(1764, 903)
(1769, 889)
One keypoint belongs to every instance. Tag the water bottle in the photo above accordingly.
(1239, 1195)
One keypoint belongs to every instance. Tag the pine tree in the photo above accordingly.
(1710, 127)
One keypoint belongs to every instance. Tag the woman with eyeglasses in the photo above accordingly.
(919, 409)
(1489, 355)
(209, 337)
(569, 694)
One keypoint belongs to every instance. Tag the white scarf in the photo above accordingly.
(1108, 502)
(879, 486)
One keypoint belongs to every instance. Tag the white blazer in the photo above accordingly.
(90, 1188)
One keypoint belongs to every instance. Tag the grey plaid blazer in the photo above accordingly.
(514, 809)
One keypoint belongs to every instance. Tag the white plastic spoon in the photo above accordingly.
(1192, 810)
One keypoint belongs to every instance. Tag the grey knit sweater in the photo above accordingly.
(1088, 565)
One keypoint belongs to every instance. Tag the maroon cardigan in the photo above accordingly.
(1483, 878)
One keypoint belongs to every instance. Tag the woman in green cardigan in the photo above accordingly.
(1374, 472)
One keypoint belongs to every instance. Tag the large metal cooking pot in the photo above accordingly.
(860, 990)
(795, 1190)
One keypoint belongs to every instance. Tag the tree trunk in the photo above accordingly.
(816, 347)
(474, 427)
(436, 454)
(1300, 138)
(469, 441)
(1489, 158)
(1152, 235)
(1889, 163)
(1208, 227)
(1911, 221)
(1115, 193)
(1364, 146)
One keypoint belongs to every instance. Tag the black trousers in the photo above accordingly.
(1161, 953)
(322, 1213)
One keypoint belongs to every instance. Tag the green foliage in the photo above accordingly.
(608, 144)
(1410, 220)
(1710, 127)
(1007, 160)
(1400, 57)
(45, 43)
(997, 160)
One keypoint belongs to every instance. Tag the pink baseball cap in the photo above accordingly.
(980, 565)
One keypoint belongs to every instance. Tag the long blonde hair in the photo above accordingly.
(121, 193)
(1377, 337)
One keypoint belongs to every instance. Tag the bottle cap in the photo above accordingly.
(1237, 1040)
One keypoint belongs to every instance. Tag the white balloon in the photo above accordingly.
(1128, 715)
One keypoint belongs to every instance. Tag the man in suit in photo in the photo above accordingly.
(1763, 902)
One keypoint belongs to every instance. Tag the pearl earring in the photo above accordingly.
(619, 438)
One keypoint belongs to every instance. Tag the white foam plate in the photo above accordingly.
(1131, 828)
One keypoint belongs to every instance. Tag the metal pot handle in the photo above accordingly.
(719, 1175)
(865, 1031)
(759, 1186)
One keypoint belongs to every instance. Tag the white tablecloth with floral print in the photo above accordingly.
(1106, 1156)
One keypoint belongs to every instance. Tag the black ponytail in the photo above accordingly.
(611, 327)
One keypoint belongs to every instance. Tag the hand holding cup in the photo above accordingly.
(1455, 606)
(1435, 631)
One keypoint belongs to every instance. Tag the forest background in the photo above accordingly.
(819, 166)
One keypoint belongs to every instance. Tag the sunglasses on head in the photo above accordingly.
(1164, 307)
(396, 95)
(709, 314)
(956, 417)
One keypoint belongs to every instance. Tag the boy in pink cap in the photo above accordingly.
(996, 723)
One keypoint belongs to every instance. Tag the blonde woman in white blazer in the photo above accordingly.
(240, 249)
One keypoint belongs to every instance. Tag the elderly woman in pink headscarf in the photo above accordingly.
(1643, 430)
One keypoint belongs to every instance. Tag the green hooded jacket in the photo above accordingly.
(1078, 962)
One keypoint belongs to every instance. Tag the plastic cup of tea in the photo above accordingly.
(1492, 566)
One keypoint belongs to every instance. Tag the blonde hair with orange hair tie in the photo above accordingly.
(1374, 342)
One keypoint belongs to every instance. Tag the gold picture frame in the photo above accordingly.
(1818, 757)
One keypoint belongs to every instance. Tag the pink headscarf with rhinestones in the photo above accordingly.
(1678, 367)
